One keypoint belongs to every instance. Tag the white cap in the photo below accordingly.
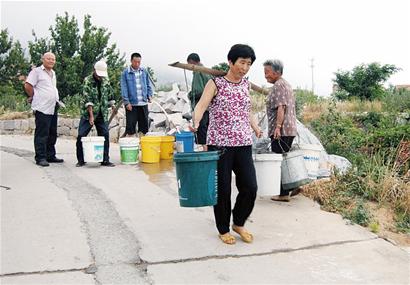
(101, 68)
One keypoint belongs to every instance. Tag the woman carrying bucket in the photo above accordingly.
(230, 132)
(280, 107)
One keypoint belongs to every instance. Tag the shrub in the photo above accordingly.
(12, 99)
(72, 105)
(359, 214)
(397, 100)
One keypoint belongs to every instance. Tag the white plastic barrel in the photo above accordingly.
(311, 155)
(93, 148)
(293, 171)
(268, 173)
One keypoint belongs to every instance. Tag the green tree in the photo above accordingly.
(12, 61)
(76, 53)
(364, 81)
(115, 63)
(222, 66)
(93, 45)
(13, 69)
(37, 48)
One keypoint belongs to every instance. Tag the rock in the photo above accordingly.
(182, 95)
(32, 123)
(171, 98)
(74, 132)
(64, 131)
(176, 119)
(168, 107)
(154, 108)
(114, 134)
(76, 123)
(178, 107)
(186, 111)
(25, 125)
(158, 119)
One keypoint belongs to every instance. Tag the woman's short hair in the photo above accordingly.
(240, 50)
(275, 64)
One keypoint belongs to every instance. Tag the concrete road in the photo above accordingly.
(123, 225)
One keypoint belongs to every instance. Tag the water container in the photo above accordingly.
(293, 170)
(197, 178)
(167, 147)
(184, 141)
(129, 149)
(150, 148)
(268, 173)
(93, 148)
(311, 154)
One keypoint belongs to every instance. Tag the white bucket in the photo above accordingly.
(293, 170)
(93, 148)
(311, 155)
(268, 172)
(129, 150)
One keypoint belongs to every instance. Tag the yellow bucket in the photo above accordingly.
(167, 147)
(150, 148)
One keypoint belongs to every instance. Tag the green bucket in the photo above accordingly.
(129, 150)
(197, 178)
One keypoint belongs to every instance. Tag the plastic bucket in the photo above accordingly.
(197, 178)
(93, 148)
(150, 148)
(268, 173)
(129, 149)
(311, 154)
(184, 141)
(155, 134)
(167, 147)
(293, 170)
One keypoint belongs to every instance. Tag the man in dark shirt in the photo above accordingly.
(199, 81)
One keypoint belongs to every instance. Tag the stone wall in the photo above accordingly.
(67, 127)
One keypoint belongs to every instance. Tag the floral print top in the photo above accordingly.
(229, 113)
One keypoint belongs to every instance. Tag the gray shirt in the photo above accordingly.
(45, 90)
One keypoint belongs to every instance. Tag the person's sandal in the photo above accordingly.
(227, 238)
(244, 234)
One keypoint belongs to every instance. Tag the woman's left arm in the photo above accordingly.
(254, 125)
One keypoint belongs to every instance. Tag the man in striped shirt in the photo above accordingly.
(136, 93)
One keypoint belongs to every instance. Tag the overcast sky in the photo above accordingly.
(338, 34)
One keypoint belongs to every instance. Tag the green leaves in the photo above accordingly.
(364, 81)
(222, 66)
(77, 53)
(12, 62)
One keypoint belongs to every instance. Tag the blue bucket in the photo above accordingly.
(184, 141)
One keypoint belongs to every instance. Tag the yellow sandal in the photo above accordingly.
(227, 238)
(244, 234)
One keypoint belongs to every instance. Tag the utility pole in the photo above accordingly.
(313, 82)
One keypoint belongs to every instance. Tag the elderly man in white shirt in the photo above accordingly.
(41, 88)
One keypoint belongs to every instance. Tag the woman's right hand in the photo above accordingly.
(192, 129)
(129, 107)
